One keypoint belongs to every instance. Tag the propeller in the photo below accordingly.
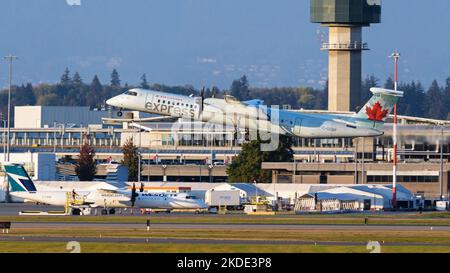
(202, 94)
(133, 195)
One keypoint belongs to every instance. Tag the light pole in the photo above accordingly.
(396, 57)
(3, 137)
(10, 58)
(441, 173)
(139, 167)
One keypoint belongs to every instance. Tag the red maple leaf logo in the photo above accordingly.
(376, 113)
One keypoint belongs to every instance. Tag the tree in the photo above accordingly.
(240, 88)
(435, 106)
(446, 94)
(144, 83)
(65, 78)
(77, 79)
(85, 167)
(94, 92)
(247, 165)
(131, 159)
(368, 82)
(389, 84)
(115, 79)
(24, 95)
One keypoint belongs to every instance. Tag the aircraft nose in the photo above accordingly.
(112, 101)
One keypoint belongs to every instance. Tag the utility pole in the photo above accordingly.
(396, 57)
(441, 173)
(10, 58)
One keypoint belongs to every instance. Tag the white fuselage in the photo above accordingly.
(95, 198)
(234, 113)
(167, 201)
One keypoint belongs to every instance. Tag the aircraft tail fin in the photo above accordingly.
(18, 178)
(379, 107)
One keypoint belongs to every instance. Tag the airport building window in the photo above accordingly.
(402, 179)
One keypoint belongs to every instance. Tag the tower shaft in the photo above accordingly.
(344, 67)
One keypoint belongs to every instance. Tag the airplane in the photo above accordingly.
(23, 187)
(163, 200)
(253, 115)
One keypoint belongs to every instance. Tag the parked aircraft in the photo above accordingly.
(109, 198)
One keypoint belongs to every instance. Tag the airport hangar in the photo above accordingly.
(50, 137)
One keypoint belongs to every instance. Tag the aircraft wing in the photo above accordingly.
(152, 119)
(253, 102)
(232, 100)
(422, 120)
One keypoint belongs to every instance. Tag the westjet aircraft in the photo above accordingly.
(253, 115)
(23, 187)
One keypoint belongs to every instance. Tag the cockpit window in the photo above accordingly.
(190, 197)
(131, 93)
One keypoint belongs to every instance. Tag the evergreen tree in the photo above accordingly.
(131, 159)
(24, 95)
(115, 79)
(96, 87)
(389, 84)
(368, 82)
(446, 94)
(85, 167)
(247, 165)
(77, 79)
(435, 106)
(94, 94)
(240, 88)
(65, 78)
(144, 83)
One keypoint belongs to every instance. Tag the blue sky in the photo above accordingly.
(204, 42)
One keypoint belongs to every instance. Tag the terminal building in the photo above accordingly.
(195, 152)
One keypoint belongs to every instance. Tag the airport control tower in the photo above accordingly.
(345, 20)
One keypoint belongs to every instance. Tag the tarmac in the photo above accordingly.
(14, 209)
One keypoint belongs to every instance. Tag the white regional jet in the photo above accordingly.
(253, 115)
(23, 187)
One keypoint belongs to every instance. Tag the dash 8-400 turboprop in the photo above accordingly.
(253, 115)
(23, 187)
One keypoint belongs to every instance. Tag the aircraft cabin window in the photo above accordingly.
(159, 101)
(164, 101)
(178, 103)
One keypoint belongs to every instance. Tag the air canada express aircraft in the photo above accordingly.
(23, 187)
(253, 115)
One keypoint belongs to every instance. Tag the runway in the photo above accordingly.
(149, 240)
(112, 225)
(15, 208)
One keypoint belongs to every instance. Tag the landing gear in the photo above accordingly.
(104, 212)
(112, 211)
(119, 113)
